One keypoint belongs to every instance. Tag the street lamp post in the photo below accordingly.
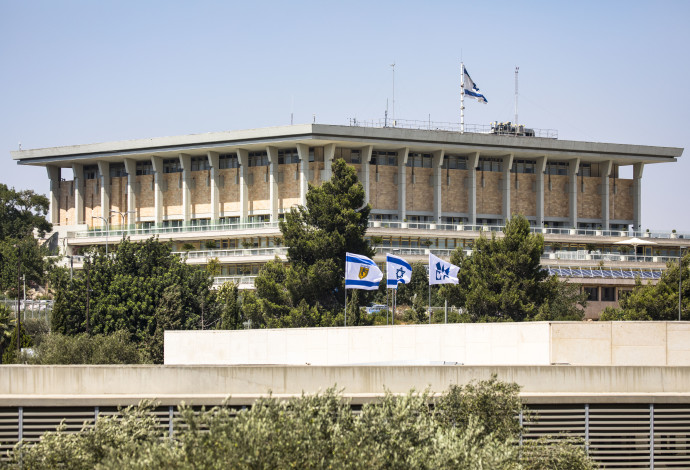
(107, 229)
(680, 279)
(122, 214)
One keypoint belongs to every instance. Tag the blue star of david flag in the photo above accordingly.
(442, 272)
(361, 273)
(471, 88)
(397, 271)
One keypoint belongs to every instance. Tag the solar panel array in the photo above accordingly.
(601, 272)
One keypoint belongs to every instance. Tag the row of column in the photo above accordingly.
(329, 152)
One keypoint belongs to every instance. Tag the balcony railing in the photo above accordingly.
(123, 232)
(250, 252)
(243, 282)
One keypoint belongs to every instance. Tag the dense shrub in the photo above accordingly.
(84, 349)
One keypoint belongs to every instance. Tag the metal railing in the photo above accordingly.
(243, 282)
(30, 309)
(440, 126)
(205, 254)
(624, 257)
(122, 232)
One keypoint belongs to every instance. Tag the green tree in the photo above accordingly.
(333, 222)
(7, 326)
(503, 279)
(230, 307)
(142, 288)
(84, 349)
(658, 301)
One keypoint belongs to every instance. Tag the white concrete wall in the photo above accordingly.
(464, 343)
(538, 343)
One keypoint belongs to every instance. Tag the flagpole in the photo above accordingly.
(386, 292)
(346, 305)
(429, 304)
(462, 98)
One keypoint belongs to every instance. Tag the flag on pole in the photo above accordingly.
(471, 88)
(361, 273)
(442, 272)
(397, 271)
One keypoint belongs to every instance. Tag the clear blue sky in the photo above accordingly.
(76, 72)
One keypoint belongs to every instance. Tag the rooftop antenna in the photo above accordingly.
(292, 110)
(393, 105)
(385, 115)
(20, 145)
(517, 69)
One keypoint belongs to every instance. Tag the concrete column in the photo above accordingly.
(573, 169)
(472, 164)
(303, 152)
(436, 164)
(540, 168)
(215, 207)
(506, 166)
(78, 171)
(328, 155)
(131, 169)
(104, 174)
(243, 157)
(54, 177)
(186, 163)
(402, 183)
(273, 182)
(366, 163)
(638, 168)
(605, 197)
(157, 163)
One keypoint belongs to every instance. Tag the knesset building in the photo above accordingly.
(221, 195)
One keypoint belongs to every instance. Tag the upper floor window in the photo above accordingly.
(258, 158)
(228, 160)
(117, 170)
(524, 166)
(589, 169)
(557, 168)
(454, 162)
(144, 168)
(489, 164)
(383, 157)
(172, 165)
(200, 164)
(90, 172)
(419, 160)
(353, 156)
(288, 156)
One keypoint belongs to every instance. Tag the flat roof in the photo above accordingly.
(347, 136)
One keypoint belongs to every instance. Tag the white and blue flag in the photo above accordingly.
(361, 273)
(471, 88)
(397, 271)
(442, 272)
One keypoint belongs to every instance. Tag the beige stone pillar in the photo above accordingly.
(157, 163)
(436, 164)
(540, 168)
(605, 194)
(213, 159)
(186, 164)
(402, 183)
(273, 181)
(638, 169)
(104, 174)
(78, 171)
(131, 169)
(54, 208)
(328, 155)
(366, 163)
(573, 169)
(303, 152)
(243, 157)
(472, 164)
(506, 166)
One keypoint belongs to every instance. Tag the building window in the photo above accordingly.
(608, 294)
(228, 160)
(524, 166)
(91, 172)
(144, 168)
(117, 170)
(592, 294)
(419, 160)
(383, 157)
(454, 162)
(557, 168)
(258, 159)
(200, 164)
(289, 156)
(172, 165)
(489, 164)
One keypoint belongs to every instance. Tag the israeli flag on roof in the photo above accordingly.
(397, 271)
(442, 272)
(471, 89)
(361, 273)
